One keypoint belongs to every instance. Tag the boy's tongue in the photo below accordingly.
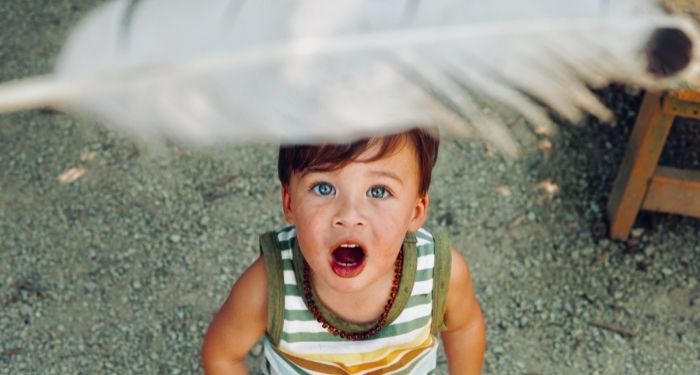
(348, 261)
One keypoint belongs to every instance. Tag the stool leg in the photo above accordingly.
(643, 151)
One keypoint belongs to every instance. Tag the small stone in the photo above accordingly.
(637, 232)
(649, 250)
(90, 286)
(666, 271)
(175, 238)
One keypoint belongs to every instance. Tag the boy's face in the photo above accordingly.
(351, 222)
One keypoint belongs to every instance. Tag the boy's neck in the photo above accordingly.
(359, 307)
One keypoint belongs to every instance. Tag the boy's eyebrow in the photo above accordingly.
(388, 174)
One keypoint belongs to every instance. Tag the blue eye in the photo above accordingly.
(378, 192)
(323, 189)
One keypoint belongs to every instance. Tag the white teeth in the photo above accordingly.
(352, 245)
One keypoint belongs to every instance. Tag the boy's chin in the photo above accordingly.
(347, 285)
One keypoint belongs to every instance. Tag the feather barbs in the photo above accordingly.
(275, 75)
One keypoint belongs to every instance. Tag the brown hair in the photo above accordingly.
(332, 156)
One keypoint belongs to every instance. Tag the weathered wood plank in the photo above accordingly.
(643, 151)
(675, 191)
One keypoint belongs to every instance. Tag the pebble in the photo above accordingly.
(637, 232)
(649, 250)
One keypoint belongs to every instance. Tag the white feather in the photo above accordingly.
(317, 70)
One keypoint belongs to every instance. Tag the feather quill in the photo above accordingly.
(313, 70)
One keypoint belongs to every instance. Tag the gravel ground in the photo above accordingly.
(121, 270)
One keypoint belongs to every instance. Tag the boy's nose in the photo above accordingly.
(348, 215)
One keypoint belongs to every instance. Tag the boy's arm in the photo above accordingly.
(465, 336)
(238, 325)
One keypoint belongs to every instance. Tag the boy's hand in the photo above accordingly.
(238, 325)
(465, 336)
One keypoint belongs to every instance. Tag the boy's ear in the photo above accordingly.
(287, 204)
(420, 213)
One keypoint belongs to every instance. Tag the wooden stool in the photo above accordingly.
(640, 183)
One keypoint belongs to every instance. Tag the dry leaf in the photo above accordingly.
(504, 191)
(549, 187)
(71, 175)
(88, 155)
(545, 146)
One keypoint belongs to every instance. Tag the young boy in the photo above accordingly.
(355, 285)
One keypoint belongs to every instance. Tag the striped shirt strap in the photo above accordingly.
(271, 251)
(441, 272)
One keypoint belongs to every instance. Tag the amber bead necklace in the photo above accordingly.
(398, 265)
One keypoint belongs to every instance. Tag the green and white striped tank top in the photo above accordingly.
(296, 343)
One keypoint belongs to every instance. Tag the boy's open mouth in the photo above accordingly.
(348, 260)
